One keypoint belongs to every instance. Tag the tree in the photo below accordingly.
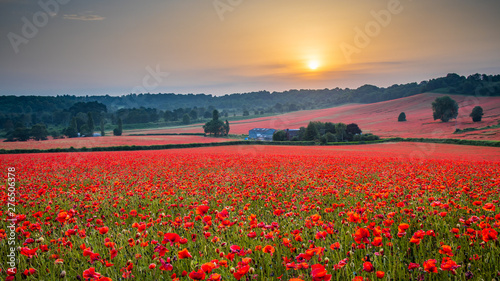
(477, 114)
(352, 129)
(311, 132)
(39, 132)
(216, 126)
(402, 117)
(279, 135)
(340, 130)
(118, 130)
(20, 133)
(72, 131)
(246, 113)
(226, 127)
(102, 127)
(186, 119)
(445, 108)
(90, 125)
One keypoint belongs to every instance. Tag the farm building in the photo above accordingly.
(291, 133)
(263, 134)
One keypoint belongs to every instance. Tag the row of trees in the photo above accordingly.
(21, 133)
(326, 132)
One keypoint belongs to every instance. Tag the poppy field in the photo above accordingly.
(250, 213)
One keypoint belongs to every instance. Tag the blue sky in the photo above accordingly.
(98, 47)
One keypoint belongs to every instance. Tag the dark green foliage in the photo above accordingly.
(279, 136)
(402, 117)
(340, 131)
(246, 113)
(186, 119)
(215, 126)
(20, 133)
(477, 114)
(85, 107)
(39, 132)
(352, 130)
(226, 127)
(445, 108)
(102, 127)
(90, 125)
(330, 137)
(118, 130)
(312, 132)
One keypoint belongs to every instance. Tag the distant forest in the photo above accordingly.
(58, 111)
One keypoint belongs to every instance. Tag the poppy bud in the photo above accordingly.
(251, 270)
(63, 274)
(327, 260)
(232, 270)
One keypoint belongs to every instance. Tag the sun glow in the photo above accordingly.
(313, 65)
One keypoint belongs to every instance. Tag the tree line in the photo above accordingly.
(55, 110)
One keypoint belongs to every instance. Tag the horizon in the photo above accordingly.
(220, 47)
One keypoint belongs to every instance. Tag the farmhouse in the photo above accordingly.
(263, 134)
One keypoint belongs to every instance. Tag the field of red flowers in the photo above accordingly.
(252, 213)
(108, 141)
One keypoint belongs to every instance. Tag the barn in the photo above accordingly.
(263, 134)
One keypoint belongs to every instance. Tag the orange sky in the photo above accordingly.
(224, 46)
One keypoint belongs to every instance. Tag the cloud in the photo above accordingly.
(86, 16)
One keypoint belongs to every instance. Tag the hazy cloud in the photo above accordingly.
(86, 16)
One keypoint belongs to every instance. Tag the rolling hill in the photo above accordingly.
(381, 119)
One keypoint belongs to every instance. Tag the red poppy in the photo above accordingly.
(430, 266)
(197, 275)
(184, 254)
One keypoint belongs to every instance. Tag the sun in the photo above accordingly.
(313, 65)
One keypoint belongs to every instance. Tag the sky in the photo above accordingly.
(218, 47)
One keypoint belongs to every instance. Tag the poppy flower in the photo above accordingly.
(90, 274)
(489, 234)
(489, 207)
(197, 275)
(208, 267)
(184, 254)
(171, 237)
(430, 266)
(202, 210)
(103, 230)
(448, 264)
(446, 250)
(368, 266)
(380, 274)
(319, 273)
(215, 277)
(268, 249)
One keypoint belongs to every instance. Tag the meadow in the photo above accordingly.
(367, 212)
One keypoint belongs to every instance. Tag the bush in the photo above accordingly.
(477, 114)
(402, 117)
(279, 136)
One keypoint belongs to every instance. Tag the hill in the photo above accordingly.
(381, 119)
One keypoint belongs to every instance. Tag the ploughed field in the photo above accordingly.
(255, 213)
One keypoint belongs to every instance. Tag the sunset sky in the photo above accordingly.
(116, 47)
